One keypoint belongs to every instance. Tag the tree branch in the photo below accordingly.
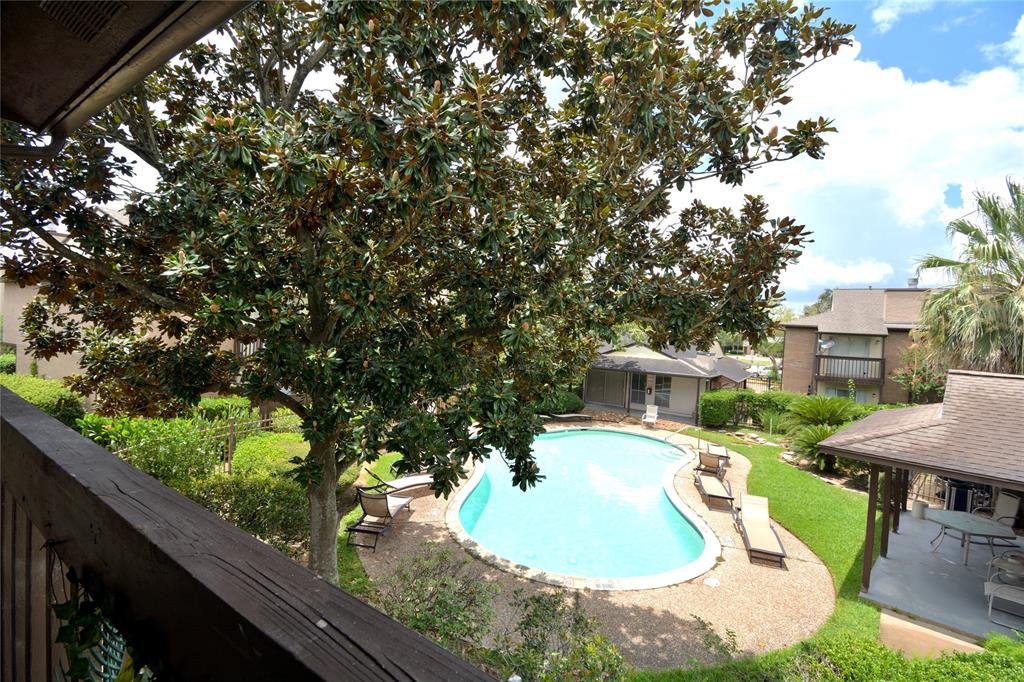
(103, 269)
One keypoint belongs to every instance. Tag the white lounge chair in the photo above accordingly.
(650, 417)
(401, 484)
(379, 511)
(713, 487)
(758, 533)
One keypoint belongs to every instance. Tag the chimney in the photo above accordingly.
(912, 282)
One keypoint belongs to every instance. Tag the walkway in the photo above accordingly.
(767, 607)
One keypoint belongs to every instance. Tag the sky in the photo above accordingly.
(929, 106)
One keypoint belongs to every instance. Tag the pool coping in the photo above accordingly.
(700, 565)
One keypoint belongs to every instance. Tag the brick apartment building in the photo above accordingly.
(861, 338)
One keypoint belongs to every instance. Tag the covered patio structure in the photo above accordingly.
(976, 436)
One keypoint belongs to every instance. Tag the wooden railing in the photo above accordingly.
(871, 370)
(186, 589)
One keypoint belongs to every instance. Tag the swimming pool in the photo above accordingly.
(606, 516)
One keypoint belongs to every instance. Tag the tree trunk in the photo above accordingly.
(323, 514)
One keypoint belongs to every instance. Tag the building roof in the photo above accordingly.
(976, 433)
(670, 361)
(859, 311)
(63, 62)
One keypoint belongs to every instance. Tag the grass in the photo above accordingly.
(829, 520)
(351, 574)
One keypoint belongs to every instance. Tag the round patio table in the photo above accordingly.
(968, 525)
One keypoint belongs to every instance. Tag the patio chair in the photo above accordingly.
(717, 450)
(379, 512)
(713, 487)
(709, 463)
(1008, 593)
(759, 534)
(1008, 567)
(650, 417)
(1004, 511)
(400, 484)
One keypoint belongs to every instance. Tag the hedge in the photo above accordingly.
(272, 508)
(7, 363)
(562, 402)
(727, 406)
(49, 395)
(222, 407)
(173, 451)
(270, 453)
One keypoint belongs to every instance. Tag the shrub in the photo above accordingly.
(222, 407)
(717, 408)
(173, 451)
(809, 410)
(806, 439)
(48, 395)
(562, 402)
(861, 659)
(283, 419)
(7, 363)
(771, 420)
(727, 406)
(554, 640)
(272, 508)
(432, 592)
(270, 453)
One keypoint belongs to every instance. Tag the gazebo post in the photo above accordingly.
(869, 533)
(887, 491)
(897, 500)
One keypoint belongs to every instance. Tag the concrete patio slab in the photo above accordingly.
(935, 586)
(916, 639)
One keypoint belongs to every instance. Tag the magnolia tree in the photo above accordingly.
(434, 244)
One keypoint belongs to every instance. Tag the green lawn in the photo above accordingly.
(351, 575)
(830, 520)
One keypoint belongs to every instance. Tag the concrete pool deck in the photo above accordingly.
(766, 606)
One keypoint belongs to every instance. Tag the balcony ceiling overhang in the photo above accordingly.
(63, 62)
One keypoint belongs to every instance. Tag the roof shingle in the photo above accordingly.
(977, 433)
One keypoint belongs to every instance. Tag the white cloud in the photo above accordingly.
(887, 12)
(1012, 49)
(900, 144)
(817, 272)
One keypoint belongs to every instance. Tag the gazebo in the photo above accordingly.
(975, 435)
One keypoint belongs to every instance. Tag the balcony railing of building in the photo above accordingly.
(868, 370)
(187, 590)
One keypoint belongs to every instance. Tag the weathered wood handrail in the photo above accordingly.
(205, 599)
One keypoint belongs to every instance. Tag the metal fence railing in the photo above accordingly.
(759, 385)
(225, 434)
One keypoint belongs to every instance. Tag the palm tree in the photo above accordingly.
(978, 322)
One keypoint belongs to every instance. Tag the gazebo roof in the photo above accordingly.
(976, 433)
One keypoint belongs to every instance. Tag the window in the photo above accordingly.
(638, 389)
(837, 392)
(662, 391)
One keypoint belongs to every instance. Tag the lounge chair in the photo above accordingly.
(650, 417)
(713, 487)
(400, 484)
(719, 451)
(709, 463)
(379, 511)
(758, 533)
(572, 417)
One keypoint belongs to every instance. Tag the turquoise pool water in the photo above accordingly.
(601, 511)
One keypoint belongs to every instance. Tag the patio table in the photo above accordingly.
(967, 525)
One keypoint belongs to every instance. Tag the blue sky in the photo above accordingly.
(929, 104)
